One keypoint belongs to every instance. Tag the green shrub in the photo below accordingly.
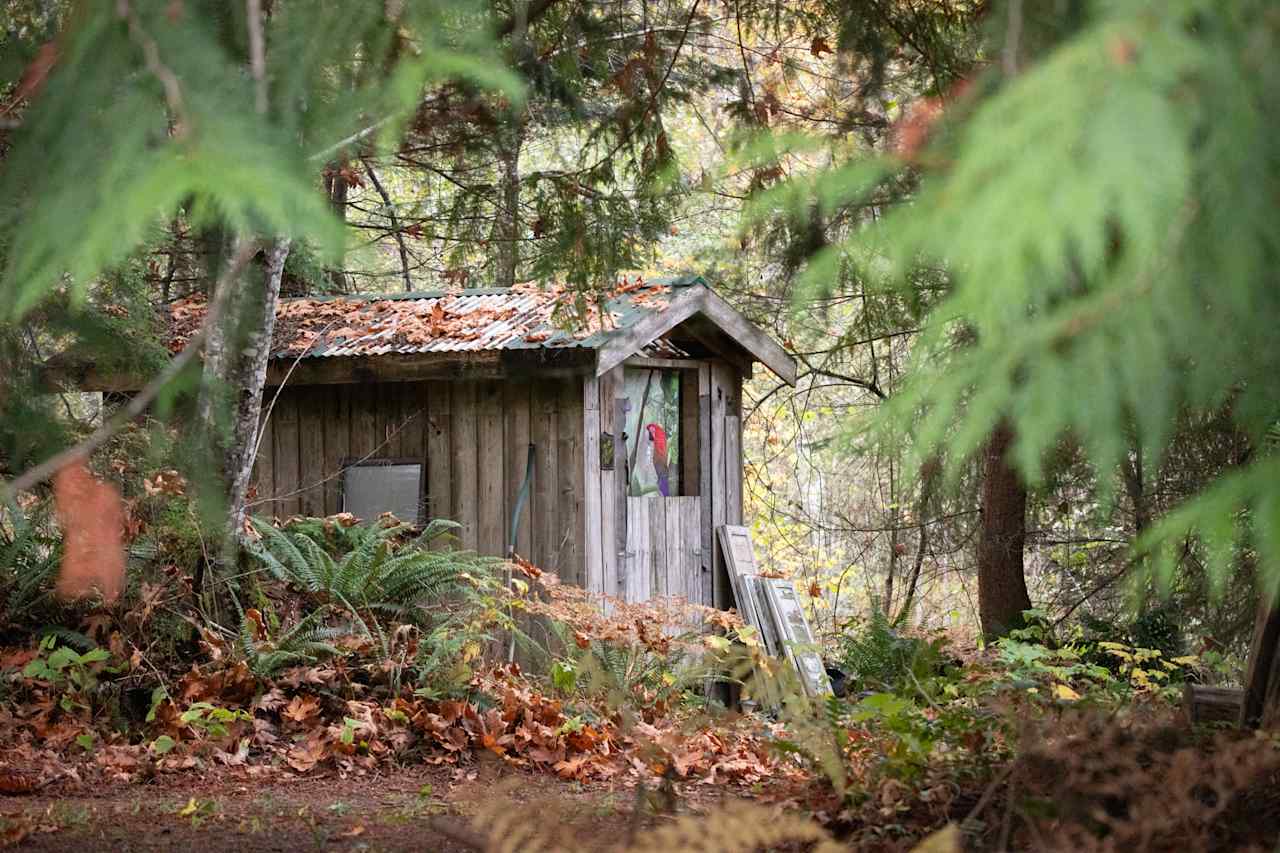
(1157, 628)
(879, 658)
(303, 643)
(29, 561)
(375, 574)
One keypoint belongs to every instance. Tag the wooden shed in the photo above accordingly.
(435, 405)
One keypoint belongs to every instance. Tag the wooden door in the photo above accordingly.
(664, 549)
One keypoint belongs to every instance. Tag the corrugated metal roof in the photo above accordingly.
(470, 320)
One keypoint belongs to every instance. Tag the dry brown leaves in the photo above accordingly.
(92, 519)
(535, 315)
(1150, 786)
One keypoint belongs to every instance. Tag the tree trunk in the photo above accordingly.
(506, 225)
(1002, 586)
(235, 370)
(337, 188)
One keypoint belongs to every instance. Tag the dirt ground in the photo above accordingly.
(415, 808)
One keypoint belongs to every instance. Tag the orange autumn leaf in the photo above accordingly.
(92, 517)
(302, 708)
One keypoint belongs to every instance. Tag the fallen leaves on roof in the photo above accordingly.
(457, 319)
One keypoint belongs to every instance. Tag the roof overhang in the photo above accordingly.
(698, 302)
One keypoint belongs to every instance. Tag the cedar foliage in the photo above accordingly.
(166, 93)
(1100, 201)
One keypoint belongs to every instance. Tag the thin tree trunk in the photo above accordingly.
(1002, 585)
(395, 223)
(886, 605)
(337, 190)
(235, 370)
(929, 474)
(506, 226)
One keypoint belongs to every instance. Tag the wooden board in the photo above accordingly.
(621, 518)
(638, 566)
(311, 450)
(264, 471)
(683, 547)
(491, 471)
(285, 436)
(439, 460)
(733, 469)
(570, 482)
(517, 443)
(608, 488)
(337, 443)
(386, 414)
(662, 554)
(657, 546)
(690, 455)
(362, 438)
(463, 463)
(707, 592)
(413, 418)
(592, 517)
(542, 426)
(721, 595)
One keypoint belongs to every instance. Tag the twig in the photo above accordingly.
(143, 399)
(151, 54)
(1007, 826)
(987, 795)
(372, 453)
(1097, 588)
(324, 153)
(266, 418)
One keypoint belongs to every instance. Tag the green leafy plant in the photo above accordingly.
(879, 657)
(304, 642)
(374, 575)
(28, 562)
(74, 674)
(211, 720)
(912, 734)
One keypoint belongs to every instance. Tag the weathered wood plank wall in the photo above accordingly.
(662, 556)
(472, 438)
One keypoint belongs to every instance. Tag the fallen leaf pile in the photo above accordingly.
(332, 717)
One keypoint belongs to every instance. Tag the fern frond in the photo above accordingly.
(278, 552)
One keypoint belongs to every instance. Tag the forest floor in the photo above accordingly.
(411, 808)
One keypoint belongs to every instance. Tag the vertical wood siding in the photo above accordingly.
(516, 406)
(472, 438)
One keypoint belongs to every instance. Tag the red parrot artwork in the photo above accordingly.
(658, 446)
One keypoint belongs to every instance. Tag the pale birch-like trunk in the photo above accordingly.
(235, 371)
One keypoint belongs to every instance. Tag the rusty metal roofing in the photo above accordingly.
(462, 320)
